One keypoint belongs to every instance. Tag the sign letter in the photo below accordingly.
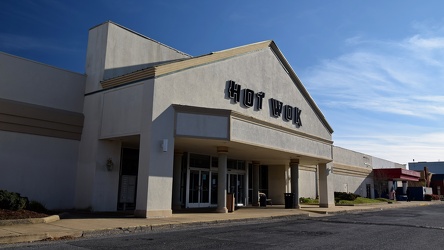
(276, 107)
(260, 96)
(248, 97)
(234, 91)
(288, 112)
(297, 117)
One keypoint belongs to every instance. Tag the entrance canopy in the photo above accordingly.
(241, 151)
(203, 130)
(397, 174)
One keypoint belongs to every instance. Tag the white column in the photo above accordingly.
(317, 181)
(246, 184)
(326, 193)
(154, 184)
(143, 177)
(390, 189)
(404, 187)
(222, 180)
(294, 168)
(287, 179)
(255, 194)
(156, 160)
(177, 176)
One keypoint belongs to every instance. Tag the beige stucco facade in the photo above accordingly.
(188, 105)
(162, 130)
(40, 126)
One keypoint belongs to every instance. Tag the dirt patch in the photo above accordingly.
(21, 214)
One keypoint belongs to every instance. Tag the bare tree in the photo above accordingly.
(427, 177)
(380, 180)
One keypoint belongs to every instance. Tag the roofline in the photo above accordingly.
(141, 35)
(174, 67)
(300, 86)
(42, 64)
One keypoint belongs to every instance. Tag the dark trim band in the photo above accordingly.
(34, 119)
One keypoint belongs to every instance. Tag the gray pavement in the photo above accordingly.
(77, 225)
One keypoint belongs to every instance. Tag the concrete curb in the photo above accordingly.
(364, 208)
(22, 238)
(160, 227)
(48, 219)
(39, 237)
(31, 237)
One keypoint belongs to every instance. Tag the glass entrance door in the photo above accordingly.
(128, 179)
(202, 187)
(199, 188)
(236, 186)
(214, 189)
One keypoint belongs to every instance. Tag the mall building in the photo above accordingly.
(151, 129)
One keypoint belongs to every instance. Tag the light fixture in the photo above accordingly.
(164, 145)
(109, 164)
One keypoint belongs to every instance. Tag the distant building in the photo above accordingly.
(437, 184)
(435, 167)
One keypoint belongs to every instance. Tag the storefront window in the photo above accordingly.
(214, 162)
(199, 161)
(241, 165)
(235, 164)
(231, 164)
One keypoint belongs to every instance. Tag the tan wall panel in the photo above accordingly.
(39, 120)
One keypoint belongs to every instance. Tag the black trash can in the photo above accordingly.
(263, 200)
(290, 201)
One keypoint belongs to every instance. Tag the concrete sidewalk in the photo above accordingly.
(82, 225)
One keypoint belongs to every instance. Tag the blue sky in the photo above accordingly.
(375, 68)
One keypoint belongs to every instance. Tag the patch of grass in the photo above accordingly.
(309, 201)
(345, 202)
(362, 200)
(358, 200)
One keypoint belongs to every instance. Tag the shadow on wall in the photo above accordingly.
(362, 185)
(114, 72)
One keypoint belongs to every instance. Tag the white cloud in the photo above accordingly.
(392, 82)
(400, 149)
(393, 92)
(424, 43)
